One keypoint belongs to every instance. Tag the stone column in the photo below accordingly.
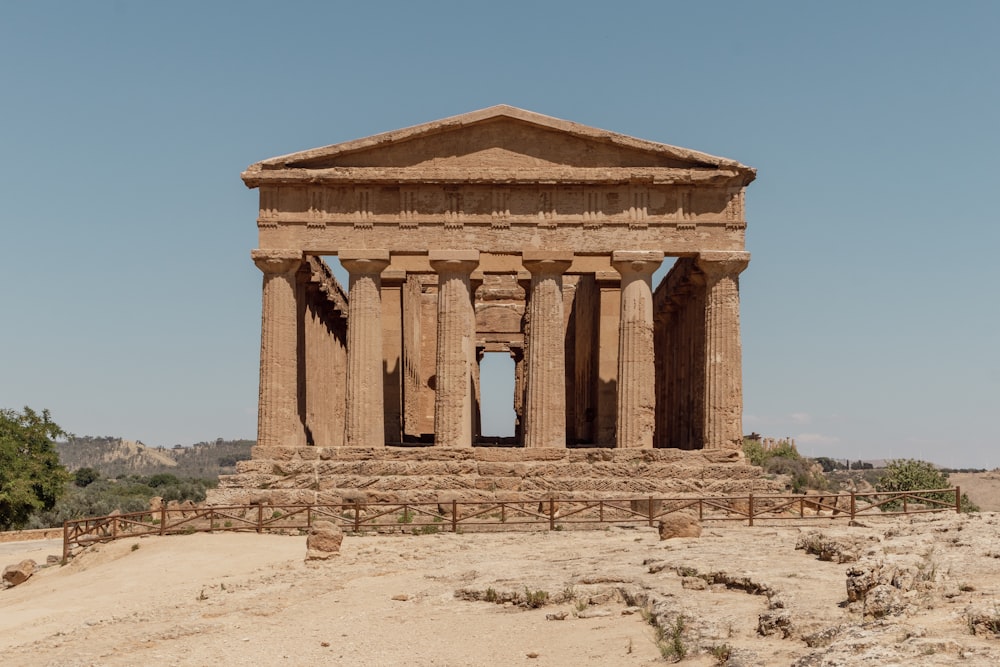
(545, 402)
(412, 377)
(636, 374)
(517, 354)
(456, 347)
(585, 313)
(363, 425)
(723, 351)
(278, 421)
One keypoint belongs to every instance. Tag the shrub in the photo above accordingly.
(914, 475)
(85, 477)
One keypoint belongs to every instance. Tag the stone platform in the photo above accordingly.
(331, 475)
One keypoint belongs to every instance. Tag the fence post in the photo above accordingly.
(905, 510)
(600, 511)
(454, 515)
(750, 510)
(65, 541)
(958, 499)
(163, 519)
(357, 516)
(852, 506)
(260, 518)
(552, 514)
(701, 510)
(649, 511)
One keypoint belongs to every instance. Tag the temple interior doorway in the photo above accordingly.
(496, 378)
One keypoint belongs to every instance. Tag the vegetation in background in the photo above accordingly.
(129, 493)
(914, 475)
(31, 477)
(113, 457)
(783, 459)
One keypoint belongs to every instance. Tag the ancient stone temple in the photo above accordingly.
(507, 231)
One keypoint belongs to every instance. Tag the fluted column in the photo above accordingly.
(636, 367)
(363, 425)
(278, 421)
(723, 411)
(456, 347)
(545, 401)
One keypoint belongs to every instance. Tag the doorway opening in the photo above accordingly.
(496, 396)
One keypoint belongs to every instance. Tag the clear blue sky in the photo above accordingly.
(870, 313)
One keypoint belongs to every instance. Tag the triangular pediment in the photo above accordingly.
(499, 137)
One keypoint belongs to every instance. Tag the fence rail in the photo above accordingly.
(545, 514)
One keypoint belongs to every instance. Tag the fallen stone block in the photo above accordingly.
(324, 541)
(16, 575)
(680, 524)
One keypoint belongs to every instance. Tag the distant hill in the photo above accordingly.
(113, 457)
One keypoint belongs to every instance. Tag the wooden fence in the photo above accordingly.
(545, 514)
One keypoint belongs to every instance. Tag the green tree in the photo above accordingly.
(31, 477)
(914, 475)
(85, 477)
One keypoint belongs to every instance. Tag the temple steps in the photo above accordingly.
(397, 474)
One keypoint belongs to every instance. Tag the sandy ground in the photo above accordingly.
(247, 599)
(983, 488)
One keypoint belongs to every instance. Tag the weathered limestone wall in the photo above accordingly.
(456, 235)
(420, 474)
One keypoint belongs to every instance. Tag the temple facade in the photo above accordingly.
(501, 231)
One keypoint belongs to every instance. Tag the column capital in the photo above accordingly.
(636, 261)
(453, 261)
(722, 263)
(364, 260)
(276, 260)
(546, 261)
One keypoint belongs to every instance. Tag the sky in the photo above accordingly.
(869, 311)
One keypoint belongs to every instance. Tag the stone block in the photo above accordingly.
(259, 452)
(679, 524)
(324, 541)
(19, 573)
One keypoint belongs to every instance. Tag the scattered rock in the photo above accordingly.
(324, 541)
(835, 549)
(558, 616)
(402, 597)
(593, 613)
(680, 524)
(15, 575)
(694, 583)
(770, 623)
(822, 637)
(884, 600)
